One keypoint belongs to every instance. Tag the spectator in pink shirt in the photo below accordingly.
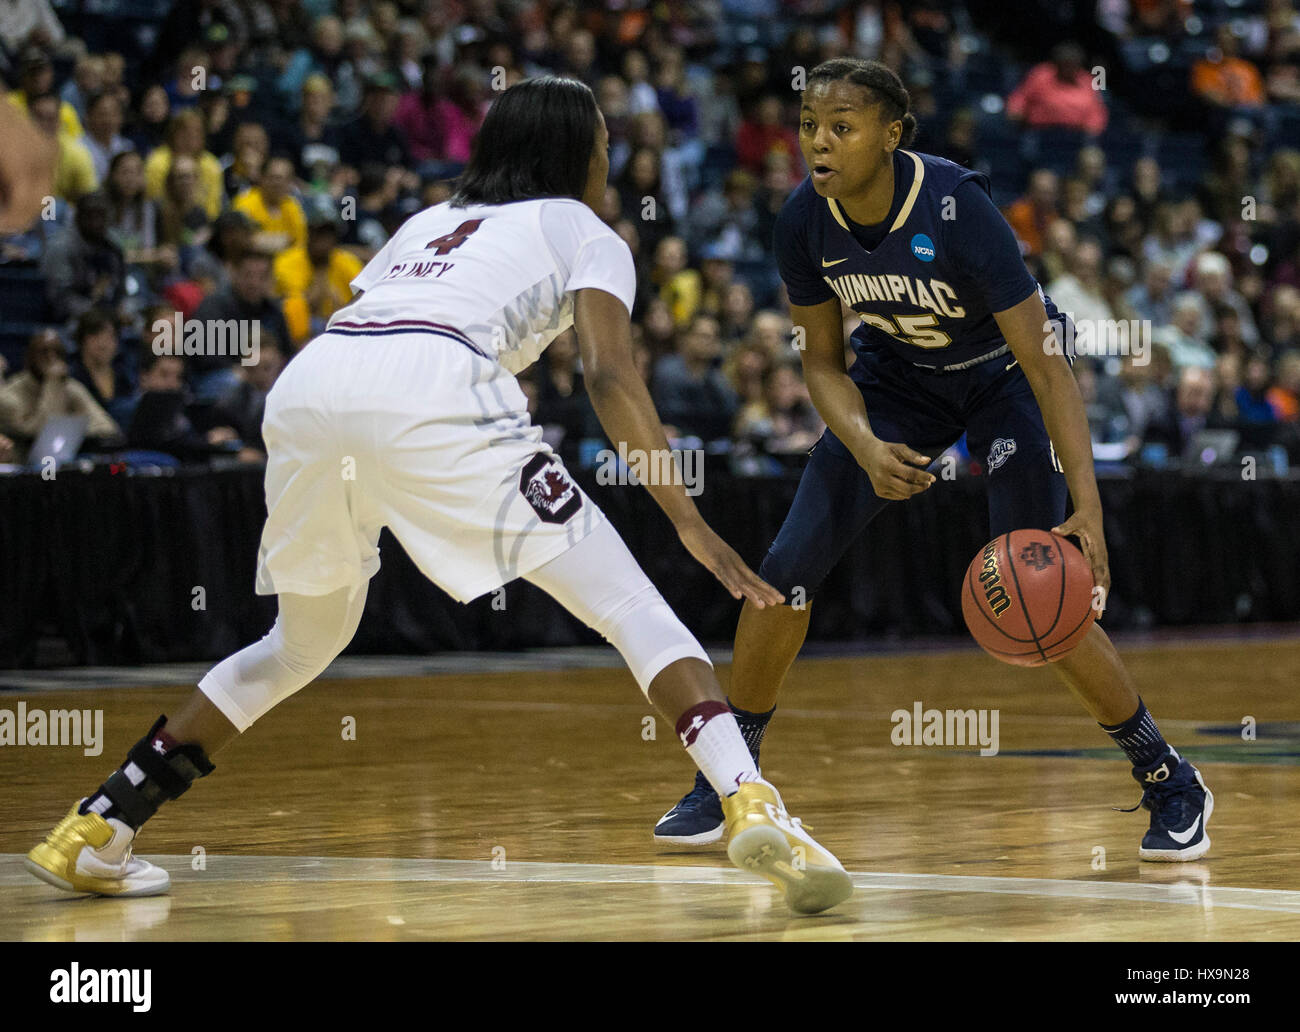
(1059, 92)
(419, 117)
(461, 113)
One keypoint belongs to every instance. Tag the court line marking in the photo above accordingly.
(592, 657)
(282, 869)
(875, 716)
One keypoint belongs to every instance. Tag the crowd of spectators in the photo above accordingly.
(248, 163)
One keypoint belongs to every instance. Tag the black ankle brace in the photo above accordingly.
(150, 777)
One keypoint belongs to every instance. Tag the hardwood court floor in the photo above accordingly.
(520, 805)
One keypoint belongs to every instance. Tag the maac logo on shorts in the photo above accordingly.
(549, 489)
(1003, 448)
(1038, 555)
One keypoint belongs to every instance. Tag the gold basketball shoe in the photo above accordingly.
(764, 839)
(86, 853)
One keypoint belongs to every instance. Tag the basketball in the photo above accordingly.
(1027, 597)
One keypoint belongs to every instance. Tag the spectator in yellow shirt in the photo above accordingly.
(74, 172)
(185, 136)
(36, 78)
(277, 214)
(679, 286)
(315, 280)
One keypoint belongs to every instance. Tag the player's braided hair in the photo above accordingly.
(875, 76)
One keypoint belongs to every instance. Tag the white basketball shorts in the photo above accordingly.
(416, 432)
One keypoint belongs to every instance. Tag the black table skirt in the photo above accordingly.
(135, 568)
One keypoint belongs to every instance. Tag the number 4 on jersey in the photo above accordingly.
(451, 241)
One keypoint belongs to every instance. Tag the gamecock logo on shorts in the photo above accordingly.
(549, 489)
(1038, 555)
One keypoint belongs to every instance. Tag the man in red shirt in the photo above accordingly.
(763, 132)
(1059, 92)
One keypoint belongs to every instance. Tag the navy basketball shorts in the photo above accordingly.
(992, 403)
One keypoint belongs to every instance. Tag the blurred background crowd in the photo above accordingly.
(242, 159)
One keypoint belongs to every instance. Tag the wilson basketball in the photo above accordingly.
(1027, 597)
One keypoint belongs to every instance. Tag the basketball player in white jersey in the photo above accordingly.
(406, 413)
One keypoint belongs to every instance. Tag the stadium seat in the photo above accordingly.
(1053, 147)
(1182, 156)
(22, 294)
(719, 160)
(1286, 126)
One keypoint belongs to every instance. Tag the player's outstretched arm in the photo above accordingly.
(891, 465)
(26, 169)
(623, 405)
(1027, 330)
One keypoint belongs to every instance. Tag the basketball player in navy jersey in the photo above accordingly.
(954, 339)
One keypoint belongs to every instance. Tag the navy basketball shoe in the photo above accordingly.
(1180, 804)
(696, 821)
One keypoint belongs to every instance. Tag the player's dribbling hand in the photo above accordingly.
(895, 470)
(721, 560)
(1086, 526)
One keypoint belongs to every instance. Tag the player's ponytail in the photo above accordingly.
(880, 78)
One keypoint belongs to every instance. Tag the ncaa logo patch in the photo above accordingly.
(548, 488)
(923, 247)
(1038, 555)
(1003, 448)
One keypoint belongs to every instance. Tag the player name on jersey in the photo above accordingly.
(418, 269)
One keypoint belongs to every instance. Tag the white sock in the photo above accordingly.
(712, 739)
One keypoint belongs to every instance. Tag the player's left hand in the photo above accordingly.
(1086, 526)
(721, 560)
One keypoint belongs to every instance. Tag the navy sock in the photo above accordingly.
(753, 726)
(1139, 737)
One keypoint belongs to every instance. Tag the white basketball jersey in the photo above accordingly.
(498, 278)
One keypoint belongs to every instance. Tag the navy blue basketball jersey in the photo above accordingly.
(927, 280)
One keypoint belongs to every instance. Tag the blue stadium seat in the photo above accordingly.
(1122, 145)
(1055, 147)
(152, 9)
(997, 142)
(22, 294)
(127, 27)
(1007, 167)
(995, 129)
(1182, 157)
(1286, 127)
(991, 73)
(719, 160)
